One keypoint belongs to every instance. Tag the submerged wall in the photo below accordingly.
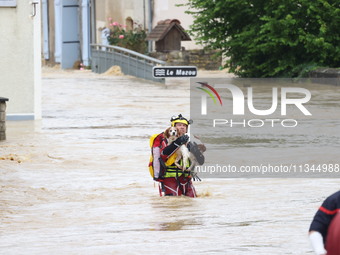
(326, 75)
(202, 59)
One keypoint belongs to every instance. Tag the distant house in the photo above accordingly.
(168, 35)
(70, 26)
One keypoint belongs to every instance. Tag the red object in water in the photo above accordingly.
(333, 236)
(182, 186)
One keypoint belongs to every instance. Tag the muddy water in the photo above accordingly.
(77, 181)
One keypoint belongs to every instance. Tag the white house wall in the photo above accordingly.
(20, 60)
(138, 10)
(119, 11)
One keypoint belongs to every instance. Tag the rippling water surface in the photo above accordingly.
(77, 182)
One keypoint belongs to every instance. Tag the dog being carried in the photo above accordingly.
(190, 152)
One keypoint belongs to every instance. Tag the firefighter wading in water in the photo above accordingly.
(174, 181)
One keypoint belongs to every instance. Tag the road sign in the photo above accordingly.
(174, 71)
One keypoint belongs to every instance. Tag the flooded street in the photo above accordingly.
(77, 181)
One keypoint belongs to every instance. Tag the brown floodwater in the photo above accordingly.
(77, 182)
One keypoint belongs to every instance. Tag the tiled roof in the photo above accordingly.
(164, 26)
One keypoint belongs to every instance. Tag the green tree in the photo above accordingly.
(269, 38)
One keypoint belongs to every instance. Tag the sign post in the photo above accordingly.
(174, 71)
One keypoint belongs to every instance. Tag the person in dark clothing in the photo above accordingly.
(319, 228)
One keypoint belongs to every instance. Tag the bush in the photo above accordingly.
(130, 39)
(269, 38)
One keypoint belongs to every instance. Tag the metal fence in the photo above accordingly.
(130, 62)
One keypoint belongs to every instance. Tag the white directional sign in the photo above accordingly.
(8, 3)
(174, 71)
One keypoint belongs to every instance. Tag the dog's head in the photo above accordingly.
(171, 132)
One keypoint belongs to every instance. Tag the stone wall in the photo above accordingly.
(326, 75)
(3, 118)
(202, 59)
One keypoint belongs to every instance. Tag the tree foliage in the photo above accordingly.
(269, 38)
(134, 39)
